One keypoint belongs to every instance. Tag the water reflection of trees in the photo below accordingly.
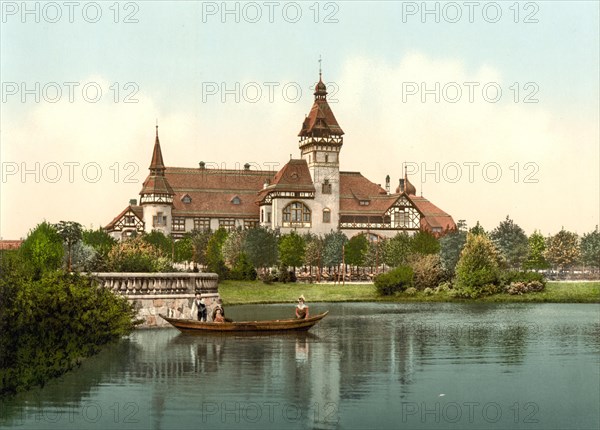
(71, 388)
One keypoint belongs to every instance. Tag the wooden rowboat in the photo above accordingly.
(248, 326)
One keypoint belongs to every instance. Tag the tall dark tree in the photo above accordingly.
(424, 242)
(451, 244)
(333, 248)
(477, 229)
(260, 247)
(71, 233)
(511, 241)
(590, 248)
(313, 253)
(356, 249)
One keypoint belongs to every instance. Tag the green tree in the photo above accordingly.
(451, 245)
(333, 248)
(160, 241)
(424, 242)
(511, 241)
(102, 242)
(184, 249)
(356, 249)
(536, 245)
(590, 248)
(291, 250)
(562, 249)
(478, 229)
(233, 247)
(42, 250)
(214, 253)
(397, 250)
(375, 255)
(313, 253)
(477, 271)
(260, 247)
(200, 240)
(71, 233)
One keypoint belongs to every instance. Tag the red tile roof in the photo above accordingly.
(294, 176)
(434, 216)
(354, 187)
(10, 244)
(212, 191)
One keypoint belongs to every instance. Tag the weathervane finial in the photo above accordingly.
(320, 60)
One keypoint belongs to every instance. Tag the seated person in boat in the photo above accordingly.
(199, 308)
(218, 316)
(301, 309)
(218, 308)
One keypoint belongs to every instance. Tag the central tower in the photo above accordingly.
(321, 139)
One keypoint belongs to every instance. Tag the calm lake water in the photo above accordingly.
(400, 366)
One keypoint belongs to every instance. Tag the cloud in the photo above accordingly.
(527, 142)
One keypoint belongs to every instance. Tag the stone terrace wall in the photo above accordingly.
(170, 294)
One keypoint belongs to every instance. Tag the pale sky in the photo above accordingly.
(493, 105)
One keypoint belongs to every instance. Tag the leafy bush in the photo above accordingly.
(398, 279)
(411, 291)
(477, 268)
(526, 277)
(137, 255)
(524, 287)
(428, 291)
(49, 324)
(444, 287)
(427, 269)
(523, 282)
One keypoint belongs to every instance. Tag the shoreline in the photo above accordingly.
(256, 292)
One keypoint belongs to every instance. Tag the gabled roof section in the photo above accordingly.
(433, 216)
(135, 210)
(354, 188)
(321, 121)
(294, 176)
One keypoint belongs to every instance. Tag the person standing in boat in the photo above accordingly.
(301, 308)
(199, 308)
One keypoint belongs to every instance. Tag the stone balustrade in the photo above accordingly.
(169, 294)
(159, 284)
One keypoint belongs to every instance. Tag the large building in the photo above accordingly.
(309, 194)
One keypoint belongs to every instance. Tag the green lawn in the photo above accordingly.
(245, 292)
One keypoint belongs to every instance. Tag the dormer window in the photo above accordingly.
(186, 199)
(236, 200)
(364, 202)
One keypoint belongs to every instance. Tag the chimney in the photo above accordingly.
(132, 202)
(267, 183)
(202, 165)
(401, 185)
(387, 184)
(247, 166)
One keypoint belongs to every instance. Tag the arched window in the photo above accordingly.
(326, 216)
(296, 213)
